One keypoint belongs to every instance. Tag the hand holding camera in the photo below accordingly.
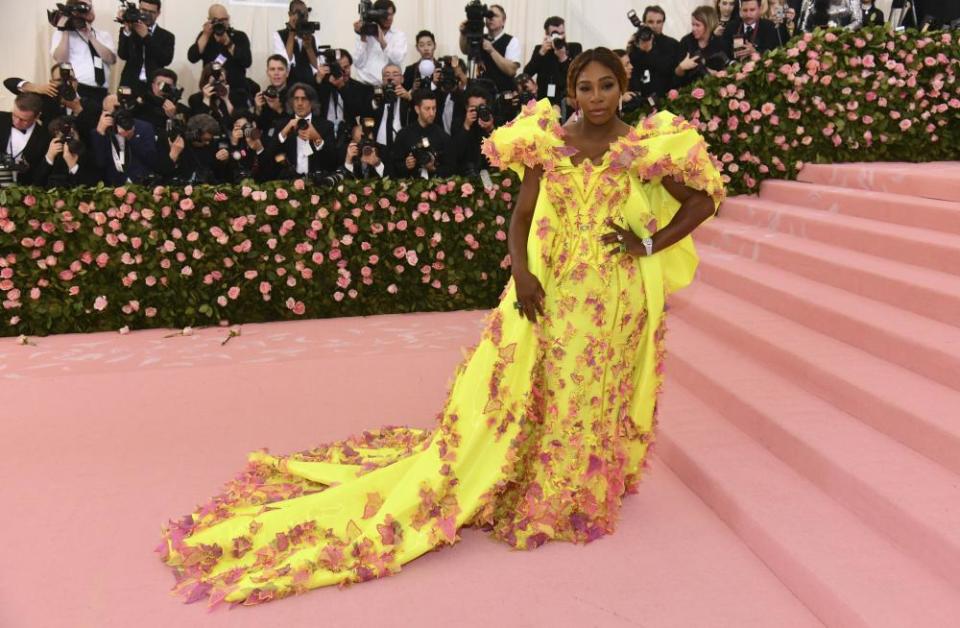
(55, 149)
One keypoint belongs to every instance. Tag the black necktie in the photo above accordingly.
(99, 74)
(390, 110)
(749, 31)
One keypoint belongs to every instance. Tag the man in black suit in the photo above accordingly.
(305, 143)
(269, 103)
(392, 110)
(145, 47)
(551, 60)
(412, 156)
(477, 125)
(60, 97)
(872, 16)
(300, 50)
(343, 99)
(67, 163)
(125, 148)
(754, 35)
(162, 102)
(23, 140)
(219, 43)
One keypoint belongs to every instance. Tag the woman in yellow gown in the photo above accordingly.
(548, 421)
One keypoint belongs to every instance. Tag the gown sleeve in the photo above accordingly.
(668, 146)
(531, 139)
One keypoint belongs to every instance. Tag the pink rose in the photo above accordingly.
(698, 93)
(233, 293)
(392, 288)
(466, 189)
(281, 194)
(100, 303)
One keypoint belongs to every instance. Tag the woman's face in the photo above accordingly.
(697, 28)
(598, 93)
(725, 8)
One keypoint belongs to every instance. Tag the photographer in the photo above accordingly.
(501, 55)
(422, 149)
(124, 148)
(214, 95)
(342, 98)
(392, 111)
(414, 75)
(551, 60)
(162, 102)
(450, 79)
(297, 43)
(754, 34)
(23, 140)
(701, 52)
(60, 97)
(198, 153)
(305, 144)
(378, 43)
(477, 125)
(246, 148)
(89, 51)
(219, 43)
(655, 17)
(653, 62)
(363, 159)
(632, 100)
(509, 104)
(66, 163)
(144, 46)
(269, 102)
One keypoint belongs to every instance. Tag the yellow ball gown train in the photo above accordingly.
(545, 428)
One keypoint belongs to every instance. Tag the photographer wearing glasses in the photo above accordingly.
(162, 102)
(422, 149)
(125, 148)
(219, 43)
(60, 96)
(144, 45)
(23, 140)
(91, 52)
(296, 42)
(305, 144)
(66, 163)
(478, 124)
(551, 60)
(378, 42)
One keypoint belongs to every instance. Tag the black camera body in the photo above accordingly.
(386, 95)
(131, 14)
(331, 58)
(327, 179)
(423, 152)
(477, 15)
(68, 134)
(303, 27)
(644, 32)
(75, 14)
(218, 80)
(484, 113)
(66, 91)
(220, 27)
(171, 93)
(559, 41)
(371, 18)
(302, 124)
(448, 75)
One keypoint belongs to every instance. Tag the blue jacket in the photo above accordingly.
(141, 155)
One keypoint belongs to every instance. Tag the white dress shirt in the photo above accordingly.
(370, 59)
(304, 149)
(80, 58)
(18, 141)
(280, 48)
(382, 131)
(514, 49)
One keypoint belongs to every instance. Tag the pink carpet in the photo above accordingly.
(806, 472)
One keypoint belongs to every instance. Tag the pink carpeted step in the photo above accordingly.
(908, 407)
(893, 489)
(921, 290)
(910, 245)
(898, 209)
(927, 347)
(938, 180)
(847, 574)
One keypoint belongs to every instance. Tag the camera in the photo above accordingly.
(448, 75)
(477, 15)
(368, 143)
(371, 18)
(68, 134)
(303, 124)
(644, 32)
(386, 95)
(271, 92)
(66, 90)
(331, 59)
(717, 62)
(251, 132)
(75, 14)
(423, 153)
(131, 14)
(524, 95)
(9, 169)
(559, 41)
(220, 27)
(303, 27)
(327, 179)
(484, 113)
(171, 93)
(217, 80)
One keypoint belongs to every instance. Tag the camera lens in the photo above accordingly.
(303, 124)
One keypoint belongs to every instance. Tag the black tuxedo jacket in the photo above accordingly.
(156, 48)
(323, 160)
(764, 37)
(356, 97)
(33, 153)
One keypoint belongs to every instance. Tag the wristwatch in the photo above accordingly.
(648, 245)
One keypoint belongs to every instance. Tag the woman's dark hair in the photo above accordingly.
(603, 56)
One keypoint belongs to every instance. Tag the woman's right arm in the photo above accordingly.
(530, 292)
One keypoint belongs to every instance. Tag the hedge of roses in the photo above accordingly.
(110, 259)
(830, 97)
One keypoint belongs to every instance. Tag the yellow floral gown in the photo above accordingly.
(546, 426)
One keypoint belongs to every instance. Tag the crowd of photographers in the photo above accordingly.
(323, 113)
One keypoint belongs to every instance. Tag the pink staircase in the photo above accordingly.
(813, 395)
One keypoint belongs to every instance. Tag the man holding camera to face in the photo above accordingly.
(478, 124)
(144, 45)
(89, 51)
(378, 43)
(422, 149)
(551, 60)
(60, 96)
(162, 102)
(67, 163)
(342, 98)
(198, 152)
(652, 61)
(304, 145)
(23, 141)
(269, 103)
(500, 54)
(124, 147)
(219, 43)
(296, 42)
(363, 159)
(392, 111)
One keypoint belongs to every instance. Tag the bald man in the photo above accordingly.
(220, 43)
